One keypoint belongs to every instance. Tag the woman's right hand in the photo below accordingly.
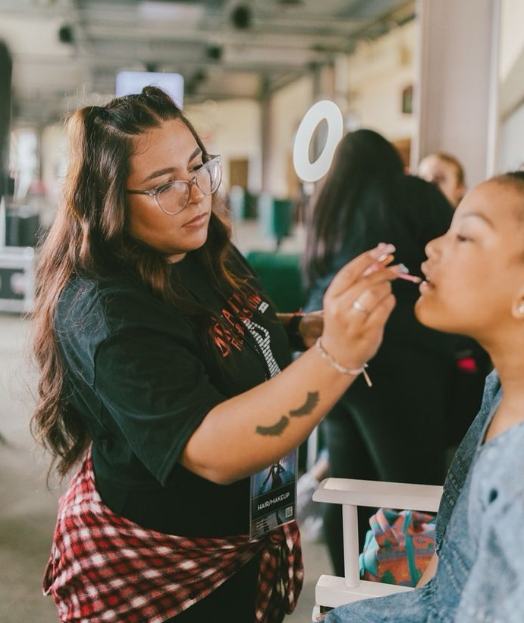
(357, 305)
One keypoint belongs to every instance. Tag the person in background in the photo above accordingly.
(446, 172)
(395, 430)
(477, 573)
(166, 377)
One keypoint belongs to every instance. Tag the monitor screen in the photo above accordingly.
(128, 82)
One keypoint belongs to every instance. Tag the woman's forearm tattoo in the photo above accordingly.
(275, 430)
(307, 407)
(278, 428)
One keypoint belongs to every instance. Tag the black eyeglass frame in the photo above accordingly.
(154, 192)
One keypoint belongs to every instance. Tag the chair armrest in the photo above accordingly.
(379, 494)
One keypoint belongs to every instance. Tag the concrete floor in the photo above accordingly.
(28, 507)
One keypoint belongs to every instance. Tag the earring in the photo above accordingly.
(520, 308)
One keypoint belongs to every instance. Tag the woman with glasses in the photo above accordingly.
(166, 376)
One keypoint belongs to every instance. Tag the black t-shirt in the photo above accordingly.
(142, 377)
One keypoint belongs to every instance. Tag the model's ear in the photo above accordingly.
(517, 310)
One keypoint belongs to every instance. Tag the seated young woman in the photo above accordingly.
(475, 286)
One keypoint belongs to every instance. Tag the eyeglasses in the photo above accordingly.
(173, 197)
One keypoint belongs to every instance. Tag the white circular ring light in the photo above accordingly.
(313, 171)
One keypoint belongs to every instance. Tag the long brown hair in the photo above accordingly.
(89, 238)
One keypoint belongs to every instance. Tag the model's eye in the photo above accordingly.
(462, 238)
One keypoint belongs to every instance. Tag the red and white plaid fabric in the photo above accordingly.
(104, 568)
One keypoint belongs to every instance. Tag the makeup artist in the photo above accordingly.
(396, 431)
(166, 376)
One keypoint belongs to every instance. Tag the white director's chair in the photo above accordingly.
(332, 591)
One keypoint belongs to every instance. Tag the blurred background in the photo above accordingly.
(430, 75)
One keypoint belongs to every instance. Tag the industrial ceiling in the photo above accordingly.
(65, 50)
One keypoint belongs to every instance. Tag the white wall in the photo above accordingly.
(512, 35)
(378, 72)
(511, 155)
(511, 65)
(231, 128)
(511, 72)
(287, 109)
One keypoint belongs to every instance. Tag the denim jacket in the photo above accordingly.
(480, 537)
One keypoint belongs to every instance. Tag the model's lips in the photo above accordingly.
(427, 285)
(197, 221)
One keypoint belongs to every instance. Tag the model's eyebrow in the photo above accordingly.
(167, 170)
(479, 215)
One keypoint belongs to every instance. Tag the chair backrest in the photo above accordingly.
(333, 591)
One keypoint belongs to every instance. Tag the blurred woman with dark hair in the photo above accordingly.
(396, 430)
(164, 374)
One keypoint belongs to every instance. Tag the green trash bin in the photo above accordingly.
(281, 278)
(276, 217)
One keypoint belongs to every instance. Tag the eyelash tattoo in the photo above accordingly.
(307, 407)
(277, 429)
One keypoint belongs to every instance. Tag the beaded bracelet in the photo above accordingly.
(339, 367)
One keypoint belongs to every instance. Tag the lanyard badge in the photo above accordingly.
(273, 496)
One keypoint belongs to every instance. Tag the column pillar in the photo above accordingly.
(456, 99)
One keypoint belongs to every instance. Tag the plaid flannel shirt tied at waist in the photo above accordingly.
(106, 569)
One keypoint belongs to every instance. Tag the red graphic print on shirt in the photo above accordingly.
(235, 314)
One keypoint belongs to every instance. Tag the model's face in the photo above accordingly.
(475, 271)
(444, 175)
(161, 155)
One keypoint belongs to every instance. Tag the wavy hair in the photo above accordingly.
(366, 171)
(89, 237)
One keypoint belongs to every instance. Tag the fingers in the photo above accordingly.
(354, 270)
(358, 304)
(377, 319)
(381, 310)
(344, 299)
(363, 300)
(353, 338)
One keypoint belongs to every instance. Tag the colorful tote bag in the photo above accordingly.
(398, 547)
